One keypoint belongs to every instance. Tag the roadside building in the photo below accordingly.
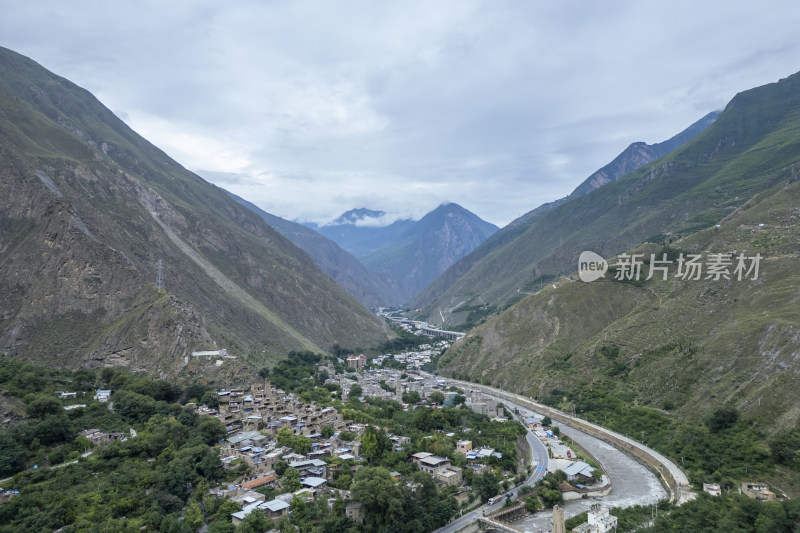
(599, 520)
(463, 446)
(757, 491)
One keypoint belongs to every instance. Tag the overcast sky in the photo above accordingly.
(309, 109)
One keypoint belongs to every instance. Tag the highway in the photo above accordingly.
(539, 459)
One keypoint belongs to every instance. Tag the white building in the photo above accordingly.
(599, 521)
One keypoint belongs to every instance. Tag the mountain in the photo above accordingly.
(360, 231)
(342, 267)
(112, 253)
(685, 345)
(409, 254)
(446, 296)
(638, 154)
(360, 216)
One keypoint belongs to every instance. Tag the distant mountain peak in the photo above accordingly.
(364, 217)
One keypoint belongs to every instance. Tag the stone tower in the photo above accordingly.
(558, 520)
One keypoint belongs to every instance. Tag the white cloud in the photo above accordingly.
(323, 106)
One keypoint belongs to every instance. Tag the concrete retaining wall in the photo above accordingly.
(671, 476)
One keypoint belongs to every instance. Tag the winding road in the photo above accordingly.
(633, 482)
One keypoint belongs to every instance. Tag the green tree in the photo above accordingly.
(42, 406)
(532, 504)
(291, 480)
(411, 397)
(133, 406)
(255, 522)
(193, 516)
(550, 497)
(327, 431)
(211, 430)
(546, 421)
(280, 467)
(301, 444)
(785, 447)
(723, 418)
(12, 456)
(285, 437)
(380, 496)
(436, 397)
(356, 391)
(486, 485)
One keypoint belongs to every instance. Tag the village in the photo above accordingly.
(269, 428)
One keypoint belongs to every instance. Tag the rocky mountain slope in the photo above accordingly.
(340, 265)
(409, 254)
(112, 253)
(729, 337)
(691, 188)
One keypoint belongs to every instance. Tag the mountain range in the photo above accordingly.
(112, 253)
(407, 254)
(688, 344)
(451, 297)
(347, 271)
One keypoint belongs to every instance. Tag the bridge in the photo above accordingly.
(431, 331)
(510, 513)
(485, 523)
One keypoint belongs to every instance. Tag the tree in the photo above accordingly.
(550, 497)
(380, 496)
(486, 485)
(12, 456)
(723, 418)
(42, 406)
(785, 447)
(411, 397)
(285, 436)
(255, 522)
(546, 421)
(301, 444)
(280, 467)
(211, 430)
(193, 516)
(133, 406)
(327, 431)
(436, 397)
(374, 444)
(532, 504)
(291, 480)
(356, 391)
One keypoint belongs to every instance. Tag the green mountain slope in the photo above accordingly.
(691, 345)
(745, 151)
(112, 253)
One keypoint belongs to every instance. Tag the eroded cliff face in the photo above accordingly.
(74, 291)
(112, 253)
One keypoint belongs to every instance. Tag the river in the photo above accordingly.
(632, 483)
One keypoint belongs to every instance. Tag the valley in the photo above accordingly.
(175, 358)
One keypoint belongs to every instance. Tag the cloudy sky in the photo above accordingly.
(309, 109)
